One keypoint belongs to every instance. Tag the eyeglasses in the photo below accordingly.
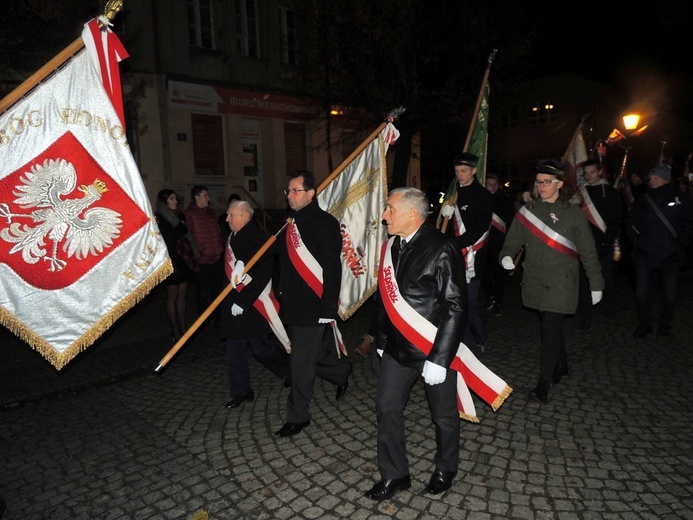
(293, 190)
(546, 182)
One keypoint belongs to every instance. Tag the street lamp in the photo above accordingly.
(630, 121)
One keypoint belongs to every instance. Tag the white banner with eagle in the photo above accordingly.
(79, 245)
(356, 197)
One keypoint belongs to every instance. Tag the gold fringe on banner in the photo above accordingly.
(59, 360)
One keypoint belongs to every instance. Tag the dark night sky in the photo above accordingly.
(646, 50)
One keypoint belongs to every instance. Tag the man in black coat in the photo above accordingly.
(429, 274)
(604, 209)
(656, 249)
(495, 277)
(471, 222)
(309, 284)
(242, 324)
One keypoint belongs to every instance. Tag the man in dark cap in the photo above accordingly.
(659, 224)
(471, 222)
(557, 238)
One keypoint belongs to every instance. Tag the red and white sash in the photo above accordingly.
(266, 304)
(547, 235)
(311, 271)
(469, 253)
(499, 223)
(471, 373)
(591, 211)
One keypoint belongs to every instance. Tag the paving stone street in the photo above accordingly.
(107, 437)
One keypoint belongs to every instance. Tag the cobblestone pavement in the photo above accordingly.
(109, 438)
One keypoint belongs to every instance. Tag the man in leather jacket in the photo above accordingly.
(429, 273)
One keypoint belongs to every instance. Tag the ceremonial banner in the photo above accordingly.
(79, 245)
(356, 197)
(574, 156)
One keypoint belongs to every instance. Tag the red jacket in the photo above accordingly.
(204, 226)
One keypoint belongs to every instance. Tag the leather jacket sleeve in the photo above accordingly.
(430, 276)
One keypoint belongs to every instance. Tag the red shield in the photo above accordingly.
(38, 224)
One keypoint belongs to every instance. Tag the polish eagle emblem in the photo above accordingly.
(81, 227)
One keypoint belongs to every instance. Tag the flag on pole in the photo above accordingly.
(574, 156)
(356, 198)
(478, 145)
(79, 245)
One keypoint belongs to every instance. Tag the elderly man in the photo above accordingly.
(421, 286)
(248, 320)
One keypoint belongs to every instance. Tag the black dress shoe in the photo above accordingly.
(558, 374)
(240, 399)
(342, 389)
(386, 488)
(541, 392)
(441, 480)
(664, 329)
(642, 331)
(290, 429)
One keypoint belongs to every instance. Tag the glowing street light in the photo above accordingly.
(630, 121)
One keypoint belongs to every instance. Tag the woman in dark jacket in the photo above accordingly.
(183, 253)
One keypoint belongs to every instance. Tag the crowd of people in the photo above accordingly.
(565, 238)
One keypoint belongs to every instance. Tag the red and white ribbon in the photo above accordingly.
(471, 373)
(499, 223)
(591, 211)
(311, 271)
(266, 304)
(547, 235)
(106, 50)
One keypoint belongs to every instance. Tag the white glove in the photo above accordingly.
(433, 374)
(596, 297)
(507, 263)
(447, 211)
(237, 274)
(236, 310)
(379, 351)
(325, 320)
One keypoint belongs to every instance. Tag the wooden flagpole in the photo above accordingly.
(179, 344)
(41, 74)
(491, 57)
(110, 10)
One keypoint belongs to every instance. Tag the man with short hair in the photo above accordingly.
(495, 276)
(309, 284)
(421, 287)
(203, 224)
(602, 204)
(248, 316)
(471, 222)
(660, 224)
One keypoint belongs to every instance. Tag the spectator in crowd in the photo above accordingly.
(471, 220)
(659, 223)
(184, 256)
(495, 277)
(245, 322)
(421, 282)
(204, 226)
(556, 238)
(309, 283)
(602, 205)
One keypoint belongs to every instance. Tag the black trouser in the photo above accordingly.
(552, 353)
(209, 281)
